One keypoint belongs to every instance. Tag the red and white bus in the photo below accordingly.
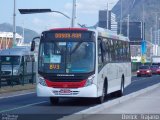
(81, 62)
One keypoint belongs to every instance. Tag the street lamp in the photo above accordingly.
(34, 11)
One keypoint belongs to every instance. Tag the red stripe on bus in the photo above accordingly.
(71, 29)
(66, 84)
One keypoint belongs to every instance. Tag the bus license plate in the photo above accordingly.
(65, 92)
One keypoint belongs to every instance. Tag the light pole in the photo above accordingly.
(14, 24)
(73, 14)
(34, 11)
(121, 17)
(151, 34)
(107, 16)
(128, 25)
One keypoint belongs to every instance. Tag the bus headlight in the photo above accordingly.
(42, 80)
(90, 80)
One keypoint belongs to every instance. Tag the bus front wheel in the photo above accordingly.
(101, 99)
(54, 100)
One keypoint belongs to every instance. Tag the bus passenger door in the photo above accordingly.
(100, 80)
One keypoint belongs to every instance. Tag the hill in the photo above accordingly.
(137, 9)
(28, 34)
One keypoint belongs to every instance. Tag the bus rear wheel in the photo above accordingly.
(54, 100)
(121, 91)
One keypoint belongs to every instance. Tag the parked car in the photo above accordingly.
(155, 69)
(144, 71)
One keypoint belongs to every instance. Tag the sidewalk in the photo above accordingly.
(145, 106)
(140, 105)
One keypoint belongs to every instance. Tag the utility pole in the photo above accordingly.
(151, 34)
(121, 18)
(23, 33)
(73, 14)
(143, 23)
(14, 24)
(156, 31)
(107, 15)
(128, 25)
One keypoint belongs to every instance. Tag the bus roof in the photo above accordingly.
(110, 34)
(101, 32)
(17, 51)
(70, 29)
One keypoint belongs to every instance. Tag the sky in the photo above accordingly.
(87, 13)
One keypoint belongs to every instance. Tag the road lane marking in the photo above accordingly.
(17, 95)
(7, 110)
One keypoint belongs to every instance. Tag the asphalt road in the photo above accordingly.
(29, 106)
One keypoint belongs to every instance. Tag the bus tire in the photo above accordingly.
(101, 99)
(121, 91)
(54, 100)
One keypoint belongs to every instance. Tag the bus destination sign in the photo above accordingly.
(68, 35)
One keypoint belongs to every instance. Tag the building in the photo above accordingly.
(112, 24)
(136, 52)
(6, 40)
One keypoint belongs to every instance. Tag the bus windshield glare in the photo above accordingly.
(67, 57)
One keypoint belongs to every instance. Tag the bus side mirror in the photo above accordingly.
(33, 45)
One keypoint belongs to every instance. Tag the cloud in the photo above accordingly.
(37, 21)
(39, 24)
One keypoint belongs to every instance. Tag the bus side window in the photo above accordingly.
(100, 56)
(105, 50)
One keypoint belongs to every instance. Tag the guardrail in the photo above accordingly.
(11, 75)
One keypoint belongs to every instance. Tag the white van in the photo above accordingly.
(17, 65)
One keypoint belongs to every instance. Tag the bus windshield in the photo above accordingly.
(5, 60)
(66, 57)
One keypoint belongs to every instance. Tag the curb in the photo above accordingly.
(93, 110)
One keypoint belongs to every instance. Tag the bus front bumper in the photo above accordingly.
(89, 91)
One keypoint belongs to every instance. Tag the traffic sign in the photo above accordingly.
(143, 59)
(143, 47)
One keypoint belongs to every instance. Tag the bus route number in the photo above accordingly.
(54, 67)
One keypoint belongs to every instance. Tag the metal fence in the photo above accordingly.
(11, 75)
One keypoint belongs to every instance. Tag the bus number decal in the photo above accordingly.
(54, 67)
